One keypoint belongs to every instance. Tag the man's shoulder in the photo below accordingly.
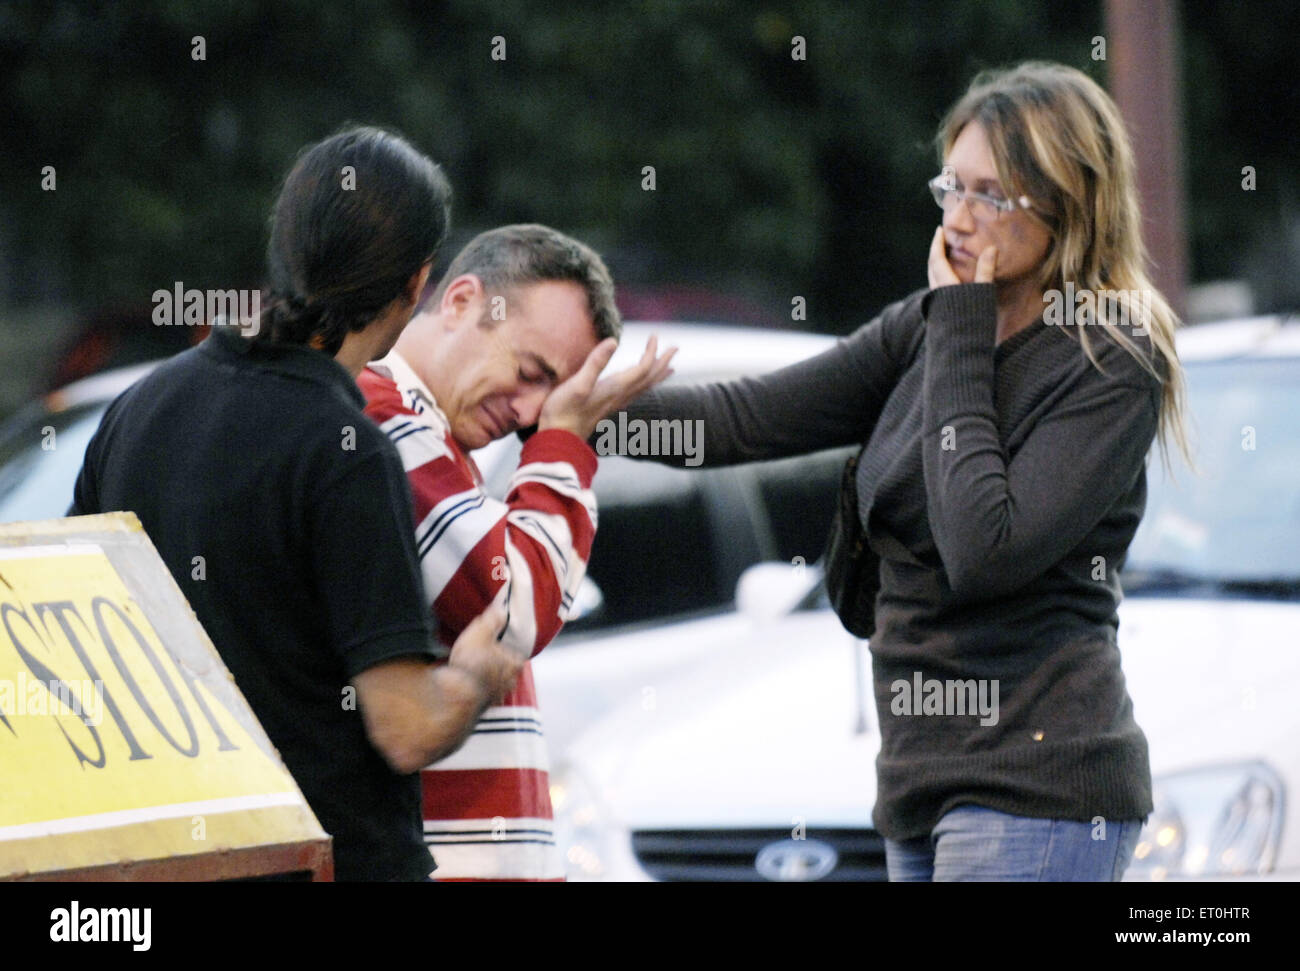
(381, 392)
(178, 371)
(314, 419)
(375, 379)
(177, 384)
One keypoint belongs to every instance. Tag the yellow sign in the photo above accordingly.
(122, 736)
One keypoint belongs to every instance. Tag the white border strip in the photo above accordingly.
(126, 817)
(69, 549)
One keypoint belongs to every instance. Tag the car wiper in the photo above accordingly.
(1161, 578)
(1167, 578)
(1264, 586)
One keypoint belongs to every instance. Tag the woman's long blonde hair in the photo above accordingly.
(1058, 139)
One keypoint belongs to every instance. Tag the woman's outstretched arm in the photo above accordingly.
(829, 400)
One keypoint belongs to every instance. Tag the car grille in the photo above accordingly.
(730, 854)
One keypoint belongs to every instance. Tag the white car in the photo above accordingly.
(741, 746)
(708, 716)
(672, 543)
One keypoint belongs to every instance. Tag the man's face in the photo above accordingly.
(496, 374)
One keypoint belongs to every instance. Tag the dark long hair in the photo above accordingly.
(357, 216)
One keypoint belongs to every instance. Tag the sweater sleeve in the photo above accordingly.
(829, 400)
(529, 552)
(998, 524)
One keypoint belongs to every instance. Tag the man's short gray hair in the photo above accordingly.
(510, 257)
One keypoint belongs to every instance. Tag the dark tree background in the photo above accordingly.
(775, 177)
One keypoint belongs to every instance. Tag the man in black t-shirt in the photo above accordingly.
(239, 455)
(252, 453)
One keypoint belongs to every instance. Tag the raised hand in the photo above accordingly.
(941, 272)
(582, 401)
(477, 651)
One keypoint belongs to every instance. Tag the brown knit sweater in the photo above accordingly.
(1000, 486)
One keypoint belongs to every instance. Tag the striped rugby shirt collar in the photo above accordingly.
(414, 392)
(417, 396)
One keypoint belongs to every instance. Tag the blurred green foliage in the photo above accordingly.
(774, 176)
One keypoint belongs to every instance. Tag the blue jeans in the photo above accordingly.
(975, 843)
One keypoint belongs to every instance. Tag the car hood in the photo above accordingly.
(1213, 680)
(757, 723)
(765, 727)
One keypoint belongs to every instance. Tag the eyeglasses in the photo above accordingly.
(984, 207)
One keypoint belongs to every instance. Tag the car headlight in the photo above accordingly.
(582, 831)
(1213, 822)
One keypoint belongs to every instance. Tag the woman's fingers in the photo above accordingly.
(940, 271)
(659, 369)
(623, 387)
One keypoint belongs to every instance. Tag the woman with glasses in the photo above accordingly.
(1002, 476)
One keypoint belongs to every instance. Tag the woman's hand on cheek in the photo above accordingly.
(940, 270)
(943, 275)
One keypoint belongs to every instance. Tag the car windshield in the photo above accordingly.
(674, 541)
(1234, 523)
(40, 456)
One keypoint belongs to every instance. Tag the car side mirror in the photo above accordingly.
(588, 602)
(766, 591)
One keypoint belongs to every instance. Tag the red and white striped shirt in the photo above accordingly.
(487, 807)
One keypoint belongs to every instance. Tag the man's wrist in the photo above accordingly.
(561, 425)
(561, 445)
(469, 683)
